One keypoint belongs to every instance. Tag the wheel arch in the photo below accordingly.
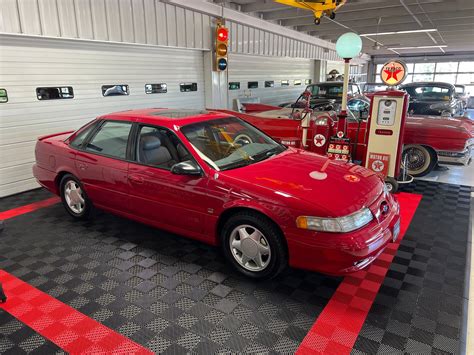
(231, 211)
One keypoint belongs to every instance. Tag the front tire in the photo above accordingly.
(74, 198)
(420, 160)
(254, 246)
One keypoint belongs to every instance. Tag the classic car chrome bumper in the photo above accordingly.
(463, 158)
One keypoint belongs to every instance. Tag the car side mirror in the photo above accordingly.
(187, 167)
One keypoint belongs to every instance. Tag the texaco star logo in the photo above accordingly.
(377, 166)
(319, 140)
(351, 178)
(393, 72)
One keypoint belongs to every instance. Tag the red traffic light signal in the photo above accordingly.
(222, 34)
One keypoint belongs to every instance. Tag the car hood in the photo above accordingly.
(438, 126)
(310, 182)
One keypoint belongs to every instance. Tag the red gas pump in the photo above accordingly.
(385, 129)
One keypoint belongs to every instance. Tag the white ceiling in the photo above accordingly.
(452, 19)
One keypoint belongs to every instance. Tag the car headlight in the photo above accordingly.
(336, 225)
(321, 122)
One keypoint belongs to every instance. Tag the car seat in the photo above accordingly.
(156, 149)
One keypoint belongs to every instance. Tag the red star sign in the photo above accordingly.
(392, 74)
(378, 165)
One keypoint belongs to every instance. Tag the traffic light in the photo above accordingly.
(221, 47)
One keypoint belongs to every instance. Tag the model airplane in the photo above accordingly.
(320, 8)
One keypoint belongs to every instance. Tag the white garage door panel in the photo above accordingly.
(16, 154)
(245, 68)
(26, 64)
(18, 186)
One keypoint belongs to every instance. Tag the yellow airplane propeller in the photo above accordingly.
(320, 8)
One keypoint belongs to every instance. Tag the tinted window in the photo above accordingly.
(234, 85)
(160, 148)
(187, 87)
(252, 84)
(3, 96)
(156, 88)
(54, 93)
(111, 139)
(269, 84)
(77, 142)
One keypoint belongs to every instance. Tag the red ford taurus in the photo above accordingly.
(213, 177)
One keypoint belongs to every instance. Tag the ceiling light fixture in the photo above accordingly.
(400, 32)
(418, 47)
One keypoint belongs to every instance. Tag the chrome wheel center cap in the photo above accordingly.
(249, 247)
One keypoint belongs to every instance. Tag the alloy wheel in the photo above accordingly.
(250, 248)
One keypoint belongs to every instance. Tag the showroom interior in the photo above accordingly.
(236, 176)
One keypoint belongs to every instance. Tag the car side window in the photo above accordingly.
(111, 139)
(82, 135)
(160, 148)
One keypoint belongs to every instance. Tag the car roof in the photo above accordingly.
(429, 83)
(165, 117)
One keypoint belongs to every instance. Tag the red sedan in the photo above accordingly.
(215, 178)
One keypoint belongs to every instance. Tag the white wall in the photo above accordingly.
(245, 68)
(26, 64)
(154, 22)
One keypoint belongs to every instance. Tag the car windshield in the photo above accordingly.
(429, 93)
(374, 87)
(229, 143)
(326, 91)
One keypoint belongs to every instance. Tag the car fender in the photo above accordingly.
(278, 214)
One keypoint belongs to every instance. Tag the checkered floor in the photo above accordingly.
(418, 309)
(174, 295)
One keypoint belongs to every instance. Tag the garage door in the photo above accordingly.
(279, 79)
(27, 64)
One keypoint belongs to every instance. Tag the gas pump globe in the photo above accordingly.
(348, 46)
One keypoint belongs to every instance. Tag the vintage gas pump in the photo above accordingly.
(386, 126)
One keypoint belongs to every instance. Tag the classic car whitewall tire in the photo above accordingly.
(74, 198)
(420, 160)
(253, 245)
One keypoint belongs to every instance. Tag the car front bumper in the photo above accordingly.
(343, 253)
(462, 158)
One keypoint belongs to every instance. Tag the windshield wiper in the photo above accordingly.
(266, 154)
(236, 164)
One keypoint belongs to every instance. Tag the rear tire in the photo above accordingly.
(254, 246)
(74, 197)
(420, 160)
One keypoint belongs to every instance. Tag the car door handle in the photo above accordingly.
(136, 179)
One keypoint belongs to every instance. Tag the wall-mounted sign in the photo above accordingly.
(393, 72)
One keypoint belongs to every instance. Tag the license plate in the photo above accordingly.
(396, 231)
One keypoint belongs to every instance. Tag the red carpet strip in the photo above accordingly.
(63, 325)
(28, 208)
(337, 327)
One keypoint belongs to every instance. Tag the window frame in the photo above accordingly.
(55, 87)
(93, 124)
(100, 123)
(154, 93)
(6, 96)
(134, 144)
(253, 83)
